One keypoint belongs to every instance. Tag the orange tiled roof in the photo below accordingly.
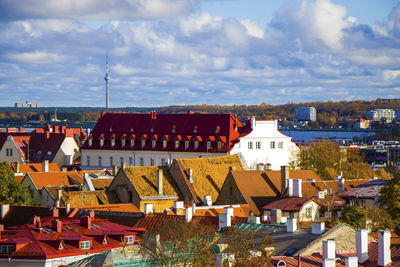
(35, 167)
(42, 179)
(242, 211)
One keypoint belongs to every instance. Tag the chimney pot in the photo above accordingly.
(384, 257)
(86, 222)
(229, 210)
(362, 245)
(16, 167)
(115, 170)
(57, 226)
(160, 176)
(67, 208)
(351, 261)
(148, 208)
(207, 200)
(291, 226)
(45, 166)
(329, 249)
(54, 212)
(188, 214)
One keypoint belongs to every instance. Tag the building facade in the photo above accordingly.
(381, 114)
(305, 114)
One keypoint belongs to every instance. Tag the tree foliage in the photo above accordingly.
(11, 192)
(328, 160)
(353, 215)
(390, 197)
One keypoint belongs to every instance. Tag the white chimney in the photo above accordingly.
(260, 166)
(57, 203)
(148, 208)
(253, 219)
(224, 220)
(160, 176)
(207, 200)
(362, 245)
(290, 187)
(253, 122)
(178, 205)
(321, 194)
(4, 208)
(190, 174)
(318, 228)
(329, 263)
(229, 210)
(45, 166)
(67, 208)
(68, 160)
(328, 249)
(384, 257)
(297, 187)
(351, 261)
(291, 226)
(341, 185)
(188, 214)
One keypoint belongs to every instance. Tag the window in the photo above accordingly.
(9, 152)
(132, 143)
(176, 144)
(258, 145)
(111, 161)
(105, 240)
(151, 161)
(163, 161)
(143, 143)
(112, 142)
(141, 161)
(123, 143)
(272, 144)
(7, 249)
(85, 244)
(250, 145)
(164, 144)
(153, 144)
(196, 145)
(230, 192)
(308, 212)
(219, 145)
(88, 160)
(186, 145)
(208, 145)
(101, 142)
(129, 239)
(130, 161)
(100, 161)
(121, 161)
(90, 142)
(280, 144)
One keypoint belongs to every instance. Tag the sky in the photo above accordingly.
(185, 52)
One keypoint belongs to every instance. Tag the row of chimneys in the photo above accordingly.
(384, 256)
(45, 166)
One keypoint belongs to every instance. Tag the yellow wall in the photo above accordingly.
(159, 204)
(37, 197)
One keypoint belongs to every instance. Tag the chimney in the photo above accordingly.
(160, 177)
(188, 214)
(148, 208)
(57, 225)
(68, 160)
(291, 226)
(253, 122)
(16, 167)
(115, 170)
(284, 177)
(229, 210)
(67, 208)
(207, 200)
(384, 257)
(362, 245)
(341, 185)
(224, 220)
(318, 228)
(297, 187)
(91, 213)
(321, 194)
(45, 166)
(59, 194)
(351, 261)
(329, 263)
(260, 166)
(232, 168)
(36, 221)
(253, 219)
(57, 204)
(276, 215)
(190, 174)
(1, 227)
(86, 222)
(328, 249)
(290, 187)
(53, 212)
(4, 208)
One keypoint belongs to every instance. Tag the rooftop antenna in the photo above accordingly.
(107, 79)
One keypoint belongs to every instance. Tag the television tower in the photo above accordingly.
(107, 79)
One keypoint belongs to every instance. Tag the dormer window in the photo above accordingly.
(129, 239)
(217, 130)
(122, 142)
(7, 249)
(153, 144)
(105, 240)
(60, 246)
(173, 129)
(164, 144)
(208, 145)
(132, 143)
(143, 142)
(219, 145)
(176, 144)
(195, 129)
(112, 141)
(111, 129)
(196, 145)
(101, 142)
(85, 244)
(90, 141)
(186, 145)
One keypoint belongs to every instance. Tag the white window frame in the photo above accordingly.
(250, 145)
(153, 143)
(280, 145)
(164, 144)
(132, 143)
(129, 239)
(208, 145)
(272, 144)
(122, 142)
(143, 142)
(152, 162)
(163, 161)
(258, 145)
(85, 244)
(186, 145)
(176, 144)
(196, 145)
(112, 142)
(219, 145)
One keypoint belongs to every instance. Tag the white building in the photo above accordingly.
(305, 114)
(379, 114)
(156, 139)
(266, 145)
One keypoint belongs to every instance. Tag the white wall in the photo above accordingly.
(266, 132)
(9, 144)
(313, 208)
(68, 147)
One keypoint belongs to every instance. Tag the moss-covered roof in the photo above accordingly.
(210, 173)
(145, 181)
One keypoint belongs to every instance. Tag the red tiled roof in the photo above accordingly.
(175, 126)
(288, 204)
(35, 167)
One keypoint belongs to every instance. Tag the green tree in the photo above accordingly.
(353, 216)
(389, 197)
(11, 192)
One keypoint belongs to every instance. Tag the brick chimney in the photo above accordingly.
(57, 225)
(54, 212)
(284, 177)
(86, 222)
(35, 220)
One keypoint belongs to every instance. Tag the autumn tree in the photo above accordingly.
(389, 197)
(11, 192)
(353, 215)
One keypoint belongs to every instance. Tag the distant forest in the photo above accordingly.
(329, 114)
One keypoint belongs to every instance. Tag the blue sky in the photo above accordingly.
(166, 52)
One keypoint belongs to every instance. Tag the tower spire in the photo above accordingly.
(107, 79)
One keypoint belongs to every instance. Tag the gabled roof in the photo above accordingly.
(288, 204)
(35, 167)
(369, 189)
(210, 173)
(41, 179)
(121, 207)
(304, 175)
(311, 189)
(173, 125)
(145, 181)
(86, 198)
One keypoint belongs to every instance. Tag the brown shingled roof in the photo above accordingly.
(288, 204)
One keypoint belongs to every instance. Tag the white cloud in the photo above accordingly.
(253, 28)
(37, 57)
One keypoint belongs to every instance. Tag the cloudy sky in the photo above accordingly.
(165, 52)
